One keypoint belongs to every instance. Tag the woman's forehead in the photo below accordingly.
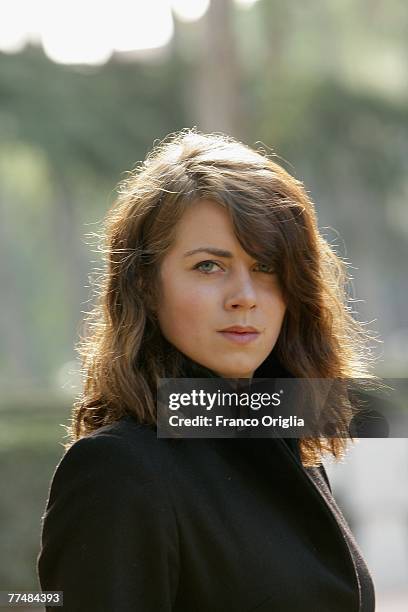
(206, 223)
(205, 211)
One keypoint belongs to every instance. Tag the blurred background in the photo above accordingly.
(86, 88)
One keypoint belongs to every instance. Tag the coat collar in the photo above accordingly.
(270, 368)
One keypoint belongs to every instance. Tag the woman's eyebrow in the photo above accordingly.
(210, 250)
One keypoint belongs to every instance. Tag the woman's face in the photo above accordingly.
(209, 284)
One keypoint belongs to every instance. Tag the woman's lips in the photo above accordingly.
(240, 337)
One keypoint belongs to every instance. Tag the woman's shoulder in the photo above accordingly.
(122, 448)
(109, 521)
(126, 434)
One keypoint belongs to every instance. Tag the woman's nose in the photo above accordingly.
(241, 293)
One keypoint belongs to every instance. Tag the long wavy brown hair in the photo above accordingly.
(123, 351)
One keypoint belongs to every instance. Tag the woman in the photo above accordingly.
(215, 267)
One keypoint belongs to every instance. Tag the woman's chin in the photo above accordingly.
(236, 373)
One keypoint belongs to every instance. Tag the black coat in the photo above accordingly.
(140, 524)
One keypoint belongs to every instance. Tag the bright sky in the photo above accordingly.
(89, 31)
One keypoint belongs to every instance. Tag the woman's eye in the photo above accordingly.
(209, 267)
(206, 266)
(266, 268)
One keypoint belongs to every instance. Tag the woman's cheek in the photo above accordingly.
(200, 298)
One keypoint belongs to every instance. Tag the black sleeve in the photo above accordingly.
(109, 538)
